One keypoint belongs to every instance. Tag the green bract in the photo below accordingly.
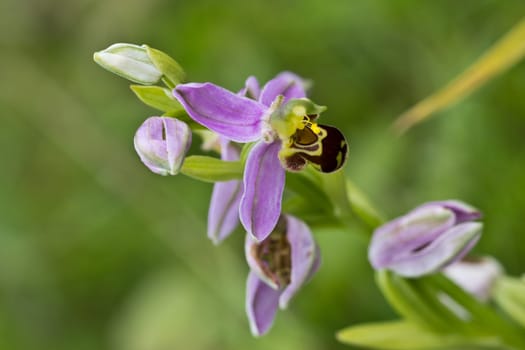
(157, 97)
(167, 65)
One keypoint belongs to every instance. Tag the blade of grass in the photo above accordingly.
(505, 53)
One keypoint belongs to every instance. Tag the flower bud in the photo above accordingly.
(476, 276)
(162, 143)
(425, 240)
(129, 61)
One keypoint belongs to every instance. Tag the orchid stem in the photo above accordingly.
(362, 206)
(484, 316)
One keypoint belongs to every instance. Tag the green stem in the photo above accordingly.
(335, 187)
(432, 296)
(483, 316)
(168, 82)
(407, 301)
(509, 294)
(348, 201)
(362, 207)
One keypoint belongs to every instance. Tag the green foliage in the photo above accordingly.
(444, 311)
(167, 65)
(404, 335)
(158, 97)
(510, 295)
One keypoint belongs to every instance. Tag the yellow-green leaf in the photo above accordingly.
(404, 335)
(211, 169)
(509, 293)
(157, 97)
(167, 65)
(506, 52)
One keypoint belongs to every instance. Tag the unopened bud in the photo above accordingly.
(162, 143)
(427, 239)
(129, 61)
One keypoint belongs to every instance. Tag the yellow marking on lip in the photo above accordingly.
(315, 128)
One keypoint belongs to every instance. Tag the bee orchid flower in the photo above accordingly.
(283, 125)
(279, 266)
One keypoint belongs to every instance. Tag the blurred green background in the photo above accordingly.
(98, 253)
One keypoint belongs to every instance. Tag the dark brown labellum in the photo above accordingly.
(327, 151)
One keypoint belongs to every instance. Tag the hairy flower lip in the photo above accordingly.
(425, 240)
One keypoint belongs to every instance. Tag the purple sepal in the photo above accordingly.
(304, 254)
(251, 88)
(263, 188)
(463, 211)
(399, 238)
(233, 116)
(265, 294)
(452, 245)
(286, 84)
(223, 214)
(262, 302)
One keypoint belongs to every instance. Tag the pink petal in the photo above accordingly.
(233, 116)
(286, 84)
(261, 304)
(263, 189)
